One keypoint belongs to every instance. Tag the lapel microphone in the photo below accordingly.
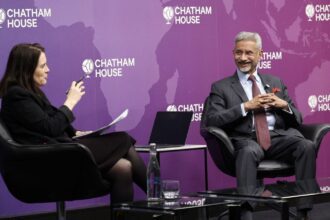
(266, 88)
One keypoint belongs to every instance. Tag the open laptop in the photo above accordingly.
(170, 129)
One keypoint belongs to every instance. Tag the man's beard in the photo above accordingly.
(245, 69)
(248, 68)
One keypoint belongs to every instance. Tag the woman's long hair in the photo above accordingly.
(22, 62)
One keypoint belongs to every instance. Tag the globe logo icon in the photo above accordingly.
(310, 11)
(2, 16)
(168, 14)
(87, 66)
(171, 108)
(312, 102)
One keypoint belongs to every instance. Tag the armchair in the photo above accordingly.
(222, 153)
(49, 173)
(222, 150)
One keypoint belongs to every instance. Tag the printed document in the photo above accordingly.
(104, 128)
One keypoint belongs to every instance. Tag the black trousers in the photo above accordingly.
(287, 148)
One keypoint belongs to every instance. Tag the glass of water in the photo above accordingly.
(171, 189)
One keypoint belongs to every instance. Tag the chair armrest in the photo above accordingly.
(314, 132)
(23, 152)
(65, 169)
(210, 132)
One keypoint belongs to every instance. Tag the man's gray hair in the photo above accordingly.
(251, 36)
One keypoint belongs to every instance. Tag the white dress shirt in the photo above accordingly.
(247, 86)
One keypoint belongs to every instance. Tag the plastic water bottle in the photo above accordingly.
(153, 176)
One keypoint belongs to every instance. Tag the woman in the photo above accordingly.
(31, 119)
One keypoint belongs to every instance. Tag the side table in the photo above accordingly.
(175, 209)
(187, 147)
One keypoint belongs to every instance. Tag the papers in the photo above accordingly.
(104, 128)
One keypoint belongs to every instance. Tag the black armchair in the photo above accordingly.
(49, 173)
(222, 151)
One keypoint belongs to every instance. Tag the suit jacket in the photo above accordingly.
(31, 119)
(223, 108)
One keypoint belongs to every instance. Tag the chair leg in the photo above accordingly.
(278, 208)
(222, 214)
(60, 208)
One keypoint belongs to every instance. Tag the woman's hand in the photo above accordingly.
(74, 95)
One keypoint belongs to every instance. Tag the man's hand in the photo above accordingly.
(277, 102)
(269, 100)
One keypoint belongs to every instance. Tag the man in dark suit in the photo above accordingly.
(236, 101)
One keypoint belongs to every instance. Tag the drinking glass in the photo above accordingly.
(171, 189)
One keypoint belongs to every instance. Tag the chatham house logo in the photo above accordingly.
(312, 102)
(88, 67)
(168, 14)
(171, 108)
(2, 16)
(195, 108)
(186, 15)
(310, 11)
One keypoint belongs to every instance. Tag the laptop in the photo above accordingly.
(170, 128)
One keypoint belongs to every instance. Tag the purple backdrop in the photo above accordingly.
(151, 55)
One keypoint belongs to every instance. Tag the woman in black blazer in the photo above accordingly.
(31, 119)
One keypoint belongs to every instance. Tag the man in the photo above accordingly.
(259, 117)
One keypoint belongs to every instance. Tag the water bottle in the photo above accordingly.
(153, 176)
